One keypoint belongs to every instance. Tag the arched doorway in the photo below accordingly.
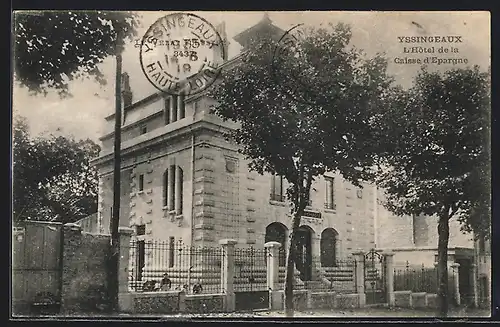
(276, 232)
(328, 247)
(303, 259)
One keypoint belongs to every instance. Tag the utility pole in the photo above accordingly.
(115, 219)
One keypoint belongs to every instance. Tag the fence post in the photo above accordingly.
(72, 242)
(124, 295)
(227, 276)
(389, 277)
(456, 285)
(273, 276)
(360, 277)
(475, 291)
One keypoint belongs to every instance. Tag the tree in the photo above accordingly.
(53, 179)
(281, 133)
(52, 48)
(437, 158)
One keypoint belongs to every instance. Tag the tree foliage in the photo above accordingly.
(436, 160)
(52, 48)
(53, 179)
(439, 148)
(301, 138)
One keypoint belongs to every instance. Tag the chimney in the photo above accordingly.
(126, 91)
(221, 29)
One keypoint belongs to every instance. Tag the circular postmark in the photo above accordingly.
(305, 71)
(181, 53)
(289, 68)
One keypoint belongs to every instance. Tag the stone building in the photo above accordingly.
(182, 181)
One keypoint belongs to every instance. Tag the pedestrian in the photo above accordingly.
(197, 288)
(165, 283)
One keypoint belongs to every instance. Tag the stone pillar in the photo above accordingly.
(227, 276)
(389, 277)
(275, 297)
(173, 109)
(171, 190)
(475, 290)
(178, 190)
(456, 285)
(124, 296)
(72, 238)
(359, 276)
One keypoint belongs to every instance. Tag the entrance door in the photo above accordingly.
(277, 232)
(303, 260)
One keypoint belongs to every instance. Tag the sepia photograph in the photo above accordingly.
(251, 164)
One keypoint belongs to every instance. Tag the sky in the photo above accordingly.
(82, 115)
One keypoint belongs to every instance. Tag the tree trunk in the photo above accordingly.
(444, 234)
(290, 265)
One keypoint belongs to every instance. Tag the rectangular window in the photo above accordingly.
(330, 193)
(141, 182)
(277, 193)
(144, 129)
(308, 199)
(171, 245)
(173, 114)
(165, 188)
(171, 201)
(141, 230)
(166, 111)
(182, 107)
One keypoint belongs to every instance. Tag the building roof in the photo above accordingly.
(263, 27)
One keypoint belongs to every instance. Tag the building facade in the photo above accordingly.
(181, 181)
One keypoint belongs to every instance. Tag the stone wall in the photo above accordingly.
(300, 300)
(157, 302)
(204, 303)
(347, 301)
(407, 299)
(84, 275)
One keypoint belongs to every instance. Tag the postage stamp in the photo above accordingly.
(181, 53)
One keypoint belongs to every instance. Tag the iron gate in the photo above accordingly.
(374, 276)
(250, 279)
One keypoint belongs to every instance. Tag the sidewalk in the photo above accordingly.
(372, 312)
(379, 312)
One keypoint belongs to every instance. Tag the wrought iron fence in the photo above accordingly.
(161, 265)
(415, 278)
(250, 265)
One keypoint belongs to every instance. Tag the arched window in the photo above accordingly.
(277, 232)
(173, 188)
(165, 188)
(328, 246)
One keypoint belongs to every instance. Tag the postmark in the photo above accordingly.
(288, 69)
(299, 73)
(181, 53)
